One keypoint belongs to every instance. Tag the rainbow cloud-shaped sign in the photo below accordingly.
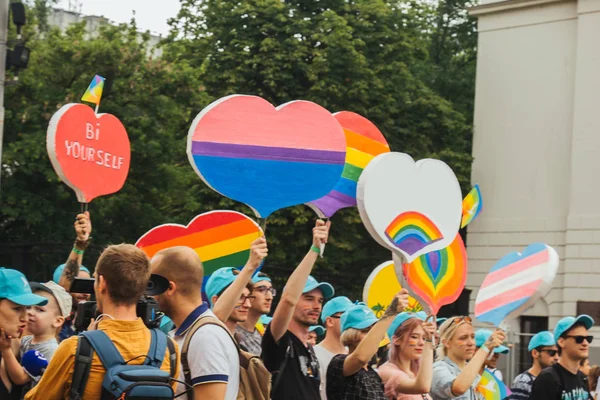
(412, 231)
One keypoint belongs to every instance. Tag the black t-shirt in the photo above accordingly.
(14, 394)
(556, 383)
(300, 379)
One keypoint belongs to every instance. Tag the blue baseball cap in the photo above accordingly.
(219, 281)
(318, 329)
(256, 278)
(565, 324)
(265, 319)
(482, 335)
(59, 270)
(358, 316)
(336, 305)
(543, 338)
(402, 318)
(15, 287)
(324, 287)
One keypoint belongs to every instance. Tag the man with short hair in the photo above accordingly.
(331, 345)
(263, 292)
(285, 350)
(218, 282)
(563, 380)
(122, 275)
(544, 352)
(212, 356)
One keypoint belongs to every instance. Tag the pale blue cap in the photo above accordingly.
(318, 329)
(218, 282)
(358, 317)
(565, 324)
(541, 339)
(59, 270)
(402, 318)
(336, 305)
(324, 287)
(482, 335)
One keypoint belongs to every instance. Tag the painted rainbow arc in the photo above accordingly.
(411, 231)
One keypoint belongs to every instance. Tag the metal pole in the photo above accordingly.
(4, 8)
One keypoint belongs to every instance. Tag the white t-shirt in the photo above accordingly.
(324, 356)
(212, 355)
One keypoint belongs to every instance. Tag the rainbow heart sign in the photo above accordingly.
(491, 387)
(90, 152)
(221, 239)
(471, 206)
(515, 283)
(438, 278)
(268, 158)
(410, 208)
(363, 142)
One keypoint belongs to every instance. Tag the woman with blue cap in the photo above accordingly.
(349, 376)
(407, 375)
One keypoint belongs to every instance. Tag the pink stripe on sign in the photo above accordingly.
(508, 297)
(533, 260)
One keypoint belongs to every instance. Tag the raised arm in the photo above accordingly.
(368, 347)
(83, 230)
(422, 382)
(8, 348)
(467, 376)
(227, 301)
(295, 284)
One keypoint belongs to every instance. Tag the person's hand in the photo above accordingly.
(496, 339)
(430, 328)
(321, 232)
(399, 303)
(83, 227)
(258, 252)
(5, 340)
(93, 325)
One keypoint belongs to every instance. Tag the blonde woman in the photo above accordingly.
(453, 377)
(407, 375)
(349, 376)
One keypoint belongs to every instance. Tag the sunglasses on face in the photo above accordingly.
(551, 353)
(265, 289)
(580, 338)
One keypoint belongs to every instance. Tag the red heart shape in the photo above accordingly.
(89, 152)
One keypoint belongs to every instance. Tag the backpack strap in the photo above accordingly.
(199, 323)
(81, 370)
(158, 345)
(172, 356)
(289, 353)
(104, 347)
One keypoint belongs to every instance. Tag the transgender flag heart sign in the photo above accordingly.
(516, 283)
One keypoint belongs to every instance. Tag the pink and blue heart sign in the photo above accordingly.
(264, 156)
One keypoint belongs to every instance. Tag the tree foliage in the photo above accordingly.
(378, 58)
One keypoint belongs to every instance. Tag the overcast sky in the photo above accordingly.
(150, 14)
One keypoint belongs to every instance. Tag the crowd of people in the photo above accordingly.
(228, 348)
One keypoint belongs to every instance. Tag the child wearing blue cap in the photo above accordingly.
(350, 376)
(544, 352)
(407, 375)
(563, 380)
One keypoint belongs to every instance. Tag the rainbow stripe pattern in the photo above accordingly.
(411, 231)
(221, 239)
(515, 283)
(439, 277)
(364, 141)
(93, 94)
(491, 387)
(268, 158)
(471, 206)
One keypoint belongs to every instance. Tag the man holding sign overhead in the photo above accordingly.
(563, 380)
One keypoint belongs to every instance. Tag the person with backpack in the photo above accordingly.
(563, 380)
(544, 352)
(210, 358)
(120, 357)
(294, 365)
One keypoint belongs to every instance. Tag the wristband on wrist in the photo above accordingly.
(315, 249)
(77, 251)
(486, 349)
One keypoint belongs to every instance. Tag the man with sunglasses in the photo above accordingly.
(544, 352)
(563, 380)
(264, 292)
